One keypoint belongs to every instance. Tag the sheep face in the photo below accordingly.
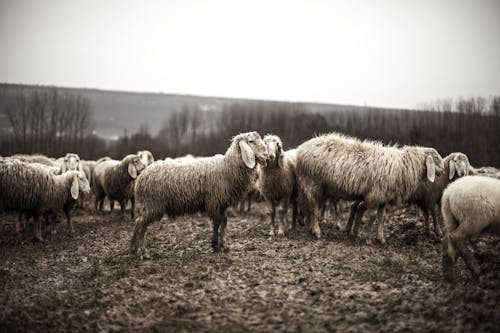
(252, 149)
(134, 165)
(275, 149)
(71, 162)
(83, 183)
(434, 164)
(146, 157)
(459, 165)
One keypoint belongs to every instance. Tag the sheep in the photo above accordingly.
(146, 157)
(113, 179)
(97, 177)
(34, 189)
(342, 167)
(428, 195)
(210, 185)
(88, 168)
(42, 159)
(277, 183)
(470, 206)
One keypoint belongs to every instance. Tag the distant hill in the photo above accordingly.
(117, 111)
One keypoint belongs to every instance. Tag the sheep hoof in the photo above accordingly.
(271, 232)
(382, 241)
(216, 248)
(369, 241)
(281, 233)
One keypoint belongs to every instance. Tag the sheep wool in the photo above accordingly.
(470, 206)
(209, 184)
(344, 167)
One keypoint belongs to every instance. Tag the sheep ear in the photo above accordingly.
(132, 171)
(281, 157)
(453, 168)
(63, 168)
(431, 168)
(247, 154)
(74, 188)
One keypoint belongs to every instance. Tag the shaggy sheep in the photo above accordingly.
(42, 159)
(277, 183)
(210, 185)
(113, 179)
(470, 206)
(34, 189)
(342, 167)
(428, 195)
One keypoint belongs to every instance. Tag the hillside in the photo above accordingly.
(117, 111)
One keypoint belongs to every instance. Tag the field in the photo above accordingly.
(89, 282)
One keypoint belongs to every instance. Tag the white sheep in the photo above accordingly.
(277, 183)
(470, 206)
(210, 185)
(114, 178)
(35, 189)
(342, 167)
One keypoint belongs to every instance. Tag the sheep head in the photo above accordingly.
(134, 165)
(252, 149)
(434, 164)
(459, 165)
(146, 157)
(71, 162)
(275, 149)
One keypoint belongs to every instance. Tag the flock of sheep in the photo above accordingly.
(320, 172)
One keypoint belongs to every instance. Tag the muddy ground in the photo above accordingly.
(294, 284)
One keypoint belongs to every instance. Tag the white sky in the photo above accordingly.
(393, 53)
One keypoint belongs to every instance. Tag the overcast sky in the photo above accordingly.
(383, 53)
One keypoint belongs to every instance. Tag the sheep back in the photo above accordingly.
(351, 168)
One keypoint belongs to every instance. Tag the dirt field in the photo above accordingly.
(292, 284)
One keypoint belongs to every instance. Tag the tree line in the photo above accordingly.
(54, 123)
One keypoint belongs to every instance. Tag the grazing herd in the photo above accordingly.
(318, 173)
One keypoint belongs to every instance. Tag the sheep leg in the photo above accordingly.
(68, 219)
(222, 233)
(447, 261)
(249, 202)
(132, 203)
(380, 224)
(352, 215)
(137, 242)
(294, 214)
(38, 228)
(273, 215)
(359, 212)
(283, 210)
(123, 207)
(111, 205)
(19, 228)
(322, 210)
(426, 221)
(315, 222)
(215, 236)
(435, 220)
(370, 229)
(458, 238)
